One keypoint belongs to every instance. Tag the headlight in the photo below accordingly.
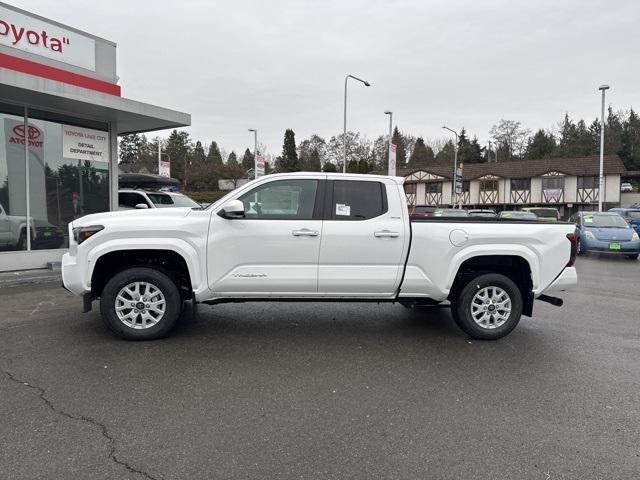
(634, 236)
(589, 235)
(80, 234)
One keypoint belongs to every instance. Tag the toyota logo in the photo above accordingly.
(34, 132)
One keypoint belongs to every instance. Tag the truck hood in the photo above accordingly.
(134, 215)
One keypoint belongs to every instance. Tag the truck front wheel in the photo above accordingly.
(488, 307)
(140, 304)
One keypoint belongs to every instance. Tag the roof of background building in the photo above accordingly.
(528, 168)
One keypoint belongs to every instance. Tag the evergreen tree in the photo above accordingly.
(446, 155)
(421, 156)
(248, 160)
(329, 167)
(541, 145)
(630, 151)
(613, 133)
(130, 148)
(288, 161)
(178, 146)
(199, 177)
(468, 151)
(401, 149)
(214, 157)
(475, 153)
(313, 163)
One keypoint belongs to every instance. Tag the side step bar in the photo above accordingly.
(552, 300)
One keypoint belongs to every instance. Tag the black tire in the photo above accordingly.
(158, 279)
(634, 256)
(461, 306)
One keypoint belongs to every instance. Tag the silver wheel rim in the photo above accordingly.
(491, 307)
(140, 305)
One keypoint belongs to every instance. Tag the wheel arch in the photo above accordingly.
(176, 262)
(516, 267)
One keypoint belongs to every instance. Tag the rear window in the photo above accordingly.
(161, 200)
(634, 215)
(357, 200)
(545, 212)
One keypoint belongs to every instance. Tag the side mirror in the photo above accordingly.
(141, 206)
(233, 209)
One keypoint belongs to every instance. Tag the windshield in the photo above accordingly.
(162, 200)
(604, 221)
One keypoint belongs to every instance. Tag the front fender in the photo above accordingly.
(179, 246)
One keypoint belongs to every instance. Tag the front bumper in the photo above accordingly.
(72, 278)
(626, 247)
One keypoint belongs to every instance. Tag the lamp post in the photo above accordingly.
(255, 152)
(455, 164)
(603, 89)
(390, 113)
(344, 131)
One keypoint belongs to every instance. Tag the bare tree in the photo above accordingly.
(511, 137)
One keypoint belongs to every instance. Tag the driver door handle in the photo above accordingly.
(386, 233)
(305, 232)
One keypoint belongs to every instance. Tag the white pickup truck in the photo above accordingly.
(314, 237)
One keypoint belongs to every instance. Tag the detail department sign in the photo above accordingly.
(85, 144)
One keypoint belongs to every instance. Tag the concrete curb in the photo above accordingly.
(22, 277)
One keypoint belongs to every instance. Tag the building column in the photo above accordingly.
(113, 167)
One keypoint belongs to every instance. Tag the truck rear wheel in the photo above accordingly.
(488, 307)
(140, 304)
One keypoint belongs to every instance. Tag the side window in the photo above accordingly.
(357, 200)
(281, 200)
(129, 199)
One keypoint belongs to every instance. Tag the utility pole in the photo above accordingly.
(255, 152)
(603, 89)
(391, 165)
(344, 130)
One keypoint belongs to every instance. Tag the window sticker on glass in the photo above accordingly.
(588, 219)
(342, 209)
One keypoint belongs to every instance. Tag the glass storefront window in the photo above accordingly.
(68, 177)
(13, 199)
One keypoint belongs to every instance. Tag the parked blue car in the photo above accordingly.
(605, 232)
(631, 215)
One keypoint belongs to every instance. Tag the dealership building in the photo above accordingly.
(61, 111)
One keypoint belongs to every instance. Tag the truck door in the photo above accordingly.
(363, 238)
(274, 248)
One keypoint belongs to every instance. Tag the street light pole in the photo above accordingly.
(455, 164)
(255, 152)
(344, 130)
(390, 113)
(602, 88)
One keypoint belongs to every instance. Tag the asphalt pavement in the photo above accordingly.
(327, 391)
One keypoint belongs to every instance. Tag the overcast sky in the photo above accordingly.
(273, 64)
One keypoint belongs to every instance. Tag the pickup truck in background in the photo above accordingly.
(13, 230)
(314, 237)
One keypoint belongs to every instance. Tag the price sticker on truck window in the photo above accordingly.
(342, 209)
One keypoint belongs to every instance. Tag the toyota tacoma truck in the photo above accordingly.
(314, 237)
